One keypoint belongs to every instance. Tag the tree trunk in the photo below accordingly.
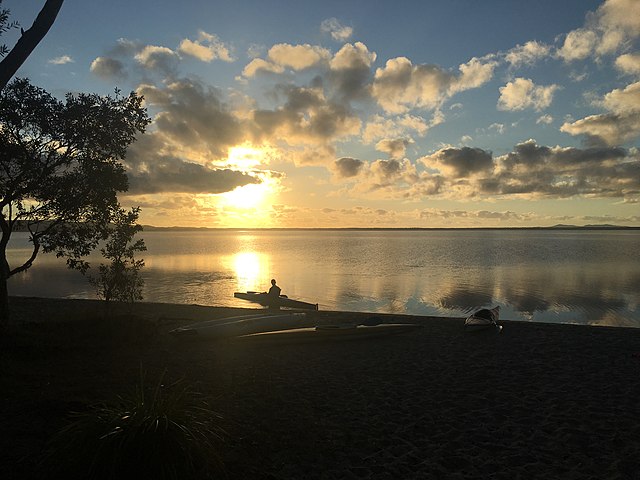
(4, 292)
(29, 41)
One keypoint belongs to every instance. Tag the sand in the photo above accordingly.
(536, 401)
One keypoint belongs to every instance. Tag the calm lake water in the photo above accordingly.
(561, 276)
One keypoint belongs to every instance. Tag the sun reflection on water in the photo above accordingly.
(251, 270)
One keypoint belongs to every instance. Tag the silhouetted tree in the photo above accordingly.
(60, 170)
(120, 280)
(28, 41)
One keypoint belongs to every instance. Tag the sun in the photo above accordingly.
(247, 197)
(253, 196)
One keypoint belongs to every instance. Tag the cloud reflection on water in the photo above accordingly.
(548, 278)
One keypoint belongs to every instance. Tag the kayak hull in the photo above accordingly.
(270, 301)
(236, 326)
(330, 333)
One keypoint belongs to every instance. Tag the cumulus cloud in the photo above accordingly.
(533, 170)
(394, 147)
(619, 126)
(629, 63)
(298, 57)
(578, 45)
(170, 174)
(64, 59)
(206, 48)
(351, 71)
(459, 162)
(522, 93)
(610, 28)
(337, 31)
(108, 68)
(527, 54)
(193, 116)
(306, 117)
(153, 57)
(348, 167)
(401, 86)
(258, 65)
(283, 55)
(544, 119)
(473, 74)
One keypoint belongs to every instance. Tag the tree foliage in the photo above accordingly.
(5, 26)
(120, 280)
(60, 169)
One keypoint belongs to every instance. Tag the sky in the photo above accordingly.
(411, 113)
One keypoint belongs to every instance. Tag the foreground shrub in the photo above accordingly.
(164, 433)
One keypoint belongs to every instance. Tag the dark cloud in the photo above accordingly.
(462, 162)
(348, 167)
(108, 68)
(151, 171)
(168, 174)
(564, 172)
(194, 115)
(305, 117)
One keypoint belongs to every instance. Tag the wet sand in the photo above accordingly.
(536, 401)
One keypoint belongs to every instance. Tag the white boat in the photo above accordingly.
(240, 325)
(331, 333)
(484, 318)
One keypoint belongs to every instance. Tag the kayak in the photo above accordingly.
(240, 325)
(331, 333)
(270, 301)
(483, 319)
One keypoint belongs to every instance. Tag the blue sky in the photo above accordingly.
(357, 113)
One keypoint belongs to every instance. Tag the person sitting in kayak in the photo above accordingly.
(274, 293)
(275, 290)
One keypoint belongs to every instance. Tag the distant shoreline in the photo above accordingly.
(151, 228)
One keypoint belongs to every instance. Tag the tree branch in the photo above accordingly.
(28, 41)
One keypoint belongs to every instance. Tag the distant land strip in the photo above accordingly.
(151, 228)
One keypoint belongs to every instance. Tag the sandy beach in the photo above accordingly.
(538, 401)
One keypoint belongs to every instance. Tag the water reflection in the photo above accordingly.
(589, 277)
(250, 268)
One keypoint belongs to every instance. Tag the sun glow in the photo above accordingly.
(247, 197)
(250, 268)
(254, 196)
(246, 157)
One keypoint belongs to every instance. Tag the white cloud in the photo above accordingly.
(522, 93)
(157, 58)
(473, 74)
(260, 65)
(629, 63)
(206, 48)
(298, 57)
(353, 57)
(527, 54)
(379, 127)
(283, 55)
(545, 119)
(610, 28)
(400, 86)
(620, 125)
(337, 31)
(623, 101)
(64, 59)
(578, 45)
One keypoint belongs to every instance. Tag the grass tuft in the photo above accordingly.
(164, 432)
